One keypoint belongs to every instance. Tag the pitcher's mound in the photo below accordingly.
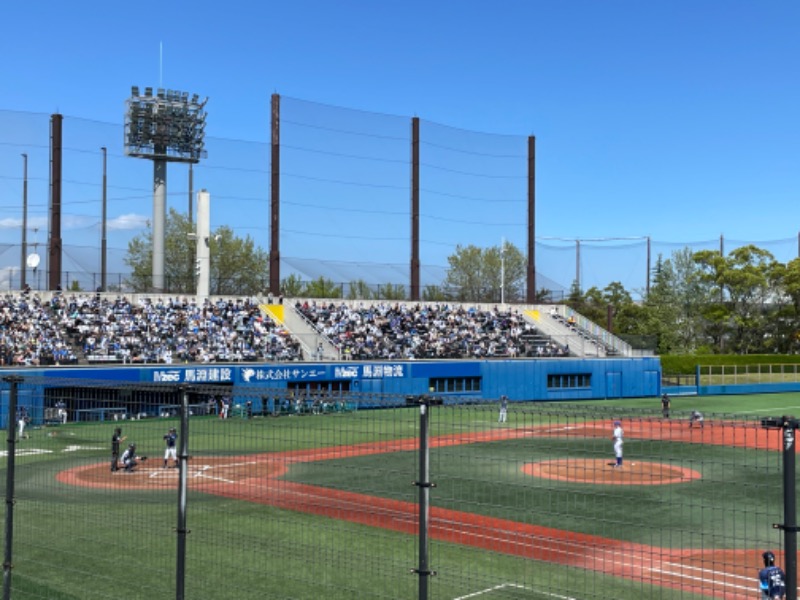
(603, 472)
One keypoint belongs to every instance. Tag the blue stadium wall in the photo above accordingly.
(521, 380)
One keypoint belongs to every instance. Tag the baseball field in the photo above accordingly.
(327, 505)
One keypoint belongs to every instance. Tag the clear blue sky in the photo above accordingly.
(675, 119)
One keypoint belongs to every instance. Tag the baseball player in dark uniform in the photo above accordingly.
(771, 579)
(665, 403)
(116, 438)
(170, 452)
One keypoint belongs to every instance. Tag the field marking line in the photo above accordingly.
(735, 586)
(202, 473)
(215, 478)
(679, 574)
(515, 586)
(565, 548)
(767, 410)
(481, 592)
(232, 465)
(703, 570)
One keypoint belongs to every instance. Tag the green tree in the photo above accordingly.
(784, 327)
(358, 290)
(592, 306)
(486, 275)
(237, 266)
(715, 313)
(323, 288)
(434, 293)
(748, 281)
(575, 297)
(293, 287)
(661, 309)
(391, 292)
(692, 294)
(790, 283)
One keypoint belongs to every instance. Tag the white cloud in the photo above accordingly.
(69, 222)
(15, 223)
(10, 223)
(127, 222)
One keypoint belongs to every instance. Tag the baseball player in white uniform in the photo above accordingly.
(503, 409)
(618, 441)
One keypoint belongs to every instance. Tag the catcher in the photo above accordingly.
(129, 459)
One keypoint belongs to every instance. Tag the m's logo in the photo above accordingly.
(167, 376)
(247, 374)
(345, 372)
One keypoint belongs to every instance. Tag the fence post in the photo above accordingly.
(11, 440)
(788, 426)
(424, 485)
(183, 458)
(789, 508)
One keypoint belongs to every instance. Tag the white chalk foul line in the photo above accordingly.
(515, 586)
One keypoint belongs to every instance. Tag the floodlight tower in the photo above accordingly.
(166, 127)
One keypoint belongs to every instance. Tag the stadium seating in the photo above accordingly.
(98, 328)
(396, 331)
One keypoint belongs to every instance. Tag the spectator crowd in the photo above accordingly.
(98, 328)
(29, 336)
(418, 331)
(108, 329)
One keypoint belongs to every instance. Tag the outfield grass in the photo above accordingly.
(77, 543)
(750, 405)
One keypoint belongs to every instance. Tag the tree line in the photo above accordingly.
(702, 302)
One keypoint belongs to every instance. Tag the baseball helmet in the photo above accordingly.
(769, 558)
(617, 423)
(173, 430)
(132, 446)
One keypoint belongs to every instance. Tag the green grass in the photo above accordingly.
(752, 405)
(74, 543)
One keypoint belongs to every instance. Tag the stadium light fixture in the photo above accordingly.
(167, 126)
(163, 128)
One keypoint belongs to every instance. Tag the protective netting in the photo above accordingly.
(345, 215)
(308, 493)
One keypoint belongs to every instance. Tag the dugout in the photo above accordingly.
(109, 403)
(141, 389)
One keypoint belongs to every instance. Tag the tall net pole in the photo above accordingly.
(11, 444)
(167, 126)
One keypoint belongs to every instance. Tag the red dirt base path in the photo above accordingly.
(719, 573)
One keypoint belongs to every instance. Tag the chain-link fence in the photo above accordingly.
(293, 493)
